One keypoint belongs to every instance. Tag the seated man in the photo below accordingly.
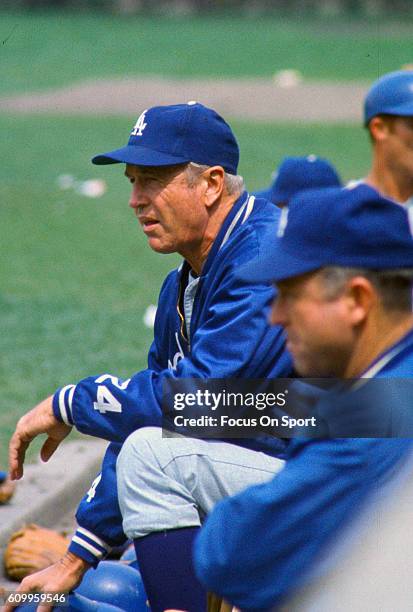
(182, 163)
(343, 267)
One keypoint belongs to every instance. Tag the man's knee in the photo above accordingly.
(137, 450)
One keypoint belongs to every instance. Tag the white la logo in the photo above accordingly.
(140, 125)
(178, 355)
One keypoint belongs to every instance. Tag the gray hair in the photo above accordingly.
(233, 182)
(394, 286)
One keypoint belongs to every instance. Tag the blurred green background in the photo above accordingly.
(50, 49)
(76, 274)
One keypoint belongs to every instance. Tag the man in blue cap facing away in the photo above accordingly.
(297, 174)
(342, 262)
(181, 161)
(388, 117)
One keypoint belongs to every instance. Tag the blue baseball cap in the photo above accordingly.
(299, 173)
(349, 227)
(177, 134)
(392, 94)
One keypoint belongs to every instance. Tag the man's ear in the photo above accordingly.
(215, 180)
(379, 129)
(361, 298)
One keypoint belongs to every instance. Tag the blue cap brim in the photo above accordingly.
(138, 156)
(278, 196)
(275, 265)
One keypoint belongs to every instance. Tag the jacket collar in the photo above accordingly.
(387, 356)
(238, 214)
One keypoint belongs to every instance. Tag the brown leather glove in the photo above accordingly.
(31, 549)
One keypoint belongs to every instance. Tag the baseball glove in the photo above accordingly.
(31, 549)
(7, 488)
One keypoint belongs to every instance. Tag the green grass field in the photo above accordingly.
(50, 50)
(76, 274)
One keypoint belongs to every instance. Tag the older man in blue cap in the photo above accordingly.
(181, 161)
(343, 266)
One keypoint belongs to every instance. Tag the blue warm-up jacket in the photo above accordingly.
(259, 545)
(229, 337)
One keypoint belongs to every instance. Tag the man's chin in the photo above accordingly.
(158, 247)
(312, 371)
(306, 369)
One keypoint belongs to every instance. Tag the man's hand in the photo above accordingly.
(38, 421)
(61, 577)
(7, 488)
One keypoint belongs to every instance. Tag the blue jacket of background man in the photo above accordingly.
(229, 337)
(259, 545)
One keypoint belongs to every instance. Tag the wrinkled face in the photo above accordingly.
(319, 331)
(399, 145)
(169, 209)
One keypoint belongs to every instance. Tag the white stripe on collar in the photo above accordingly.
(247, 207)
(250, 208)
(380, 364)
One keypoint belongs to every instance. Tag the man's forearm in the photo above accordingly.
(108, 407)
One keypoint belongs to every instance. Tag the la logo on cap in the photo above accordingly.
(140, 125)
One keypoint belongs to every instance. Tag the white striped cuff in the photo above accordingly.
(65, 404)
(92, 543)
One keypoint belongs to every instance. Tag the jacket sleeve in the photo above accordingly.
(98, 516)
(234, 340)
(260, 544)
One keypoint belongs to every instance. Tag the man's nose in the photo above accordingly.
(136, 199)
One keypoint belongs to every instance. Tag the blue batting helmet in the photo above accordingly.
(129, 554)
(392, 94)
(114, 583)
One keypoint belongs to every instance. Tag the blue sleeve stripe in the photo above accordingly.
(88, 535)
(97, 553)
(81, 552)
(65, 404)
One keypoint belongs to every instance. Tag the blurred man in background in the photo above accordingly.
(388, 117)
(296, 174)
